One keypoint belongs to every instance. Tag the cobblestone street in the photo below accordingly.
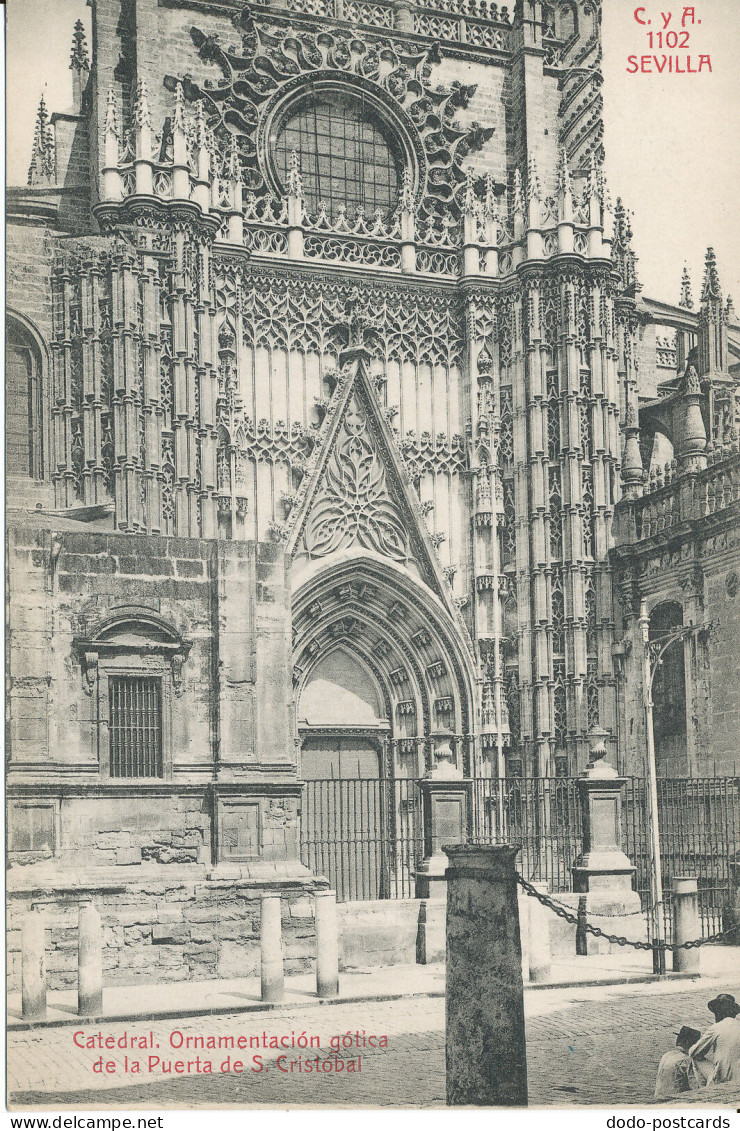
(586, 1045)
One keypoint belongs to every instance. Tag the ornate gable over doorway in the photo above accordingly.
(357, 493)
(354, 504)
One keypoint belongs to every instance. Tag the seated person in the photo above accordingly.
(716, 1055)
(675, 1072)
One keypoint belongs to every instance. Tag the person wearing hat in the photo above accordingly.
(675, 1071)
(716, 1055)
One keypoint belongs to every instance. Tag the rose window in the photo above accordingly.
(346, 156)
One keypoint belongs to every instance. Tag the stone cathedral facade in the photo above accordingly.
(343, 443)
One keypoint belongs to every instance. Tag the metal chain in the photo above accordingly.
(702, 942)
(616, 940)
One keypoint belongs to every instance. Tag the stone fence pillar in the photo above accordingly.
(444, 799)
(485, 1043)
(686, 922)
(602, 872)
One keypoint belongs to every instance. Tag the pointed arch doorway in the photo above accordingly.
(380, 671)
(343, 744)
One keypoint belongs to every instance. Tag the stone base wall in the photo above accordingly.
(167, 930)
(93, 831)
(380, 932)
(194, 930)
(157, 826)
(632, 926)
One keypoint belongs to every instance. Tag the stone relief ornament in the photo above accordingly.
(355, 506)
(275, 63)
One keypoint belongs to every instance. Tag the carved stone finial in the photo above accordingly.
(489, 204)
(295, 182)
(595, 185)
(179, 116)
(598, 766)
(406, 198)
(79, 58)
(693, 437)
(686, 300)
(624, 257)
(533, 181)
(111, 114)
(564, 183)
(356, 323)
(691, 384)
(485, 361)
(606, 203)
(730, 310)
(142, 114)
(445, 763)
(42, 170)
(711, 289)
(235, 172)
(469, 199)
(200, 124)
(518, 193)
(633, 474)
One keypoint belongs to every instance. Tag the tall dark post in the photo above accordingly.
(485, 1042)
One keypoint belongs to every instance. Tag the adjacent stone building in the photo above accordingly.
(342, 446)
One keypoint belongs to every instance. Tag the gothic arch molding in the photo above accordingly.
(400, 632)
(32, 402)
(33, 332)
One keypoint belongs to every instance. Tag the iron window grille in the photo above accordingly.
(344, 155)
(135, 727)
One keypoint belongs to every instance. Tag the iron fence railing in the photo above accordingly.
(541, 814)
(699, 821)
(366, 834)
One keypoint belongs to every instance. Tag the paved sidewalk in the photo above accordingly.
(586, 1045)
(242, 995)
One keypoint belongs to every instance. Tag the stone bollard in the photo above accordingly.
(33, 966)
(327, 944)
(540, 956)
(89, 961)
(271, 940)
(485, 1044)
(686, 922)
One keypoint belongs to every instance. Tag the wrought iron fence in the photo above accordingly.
(541, 814)
(699, 821)
(366, 835)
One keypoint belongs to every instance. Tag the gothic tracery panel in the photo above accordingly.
(355, 506)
